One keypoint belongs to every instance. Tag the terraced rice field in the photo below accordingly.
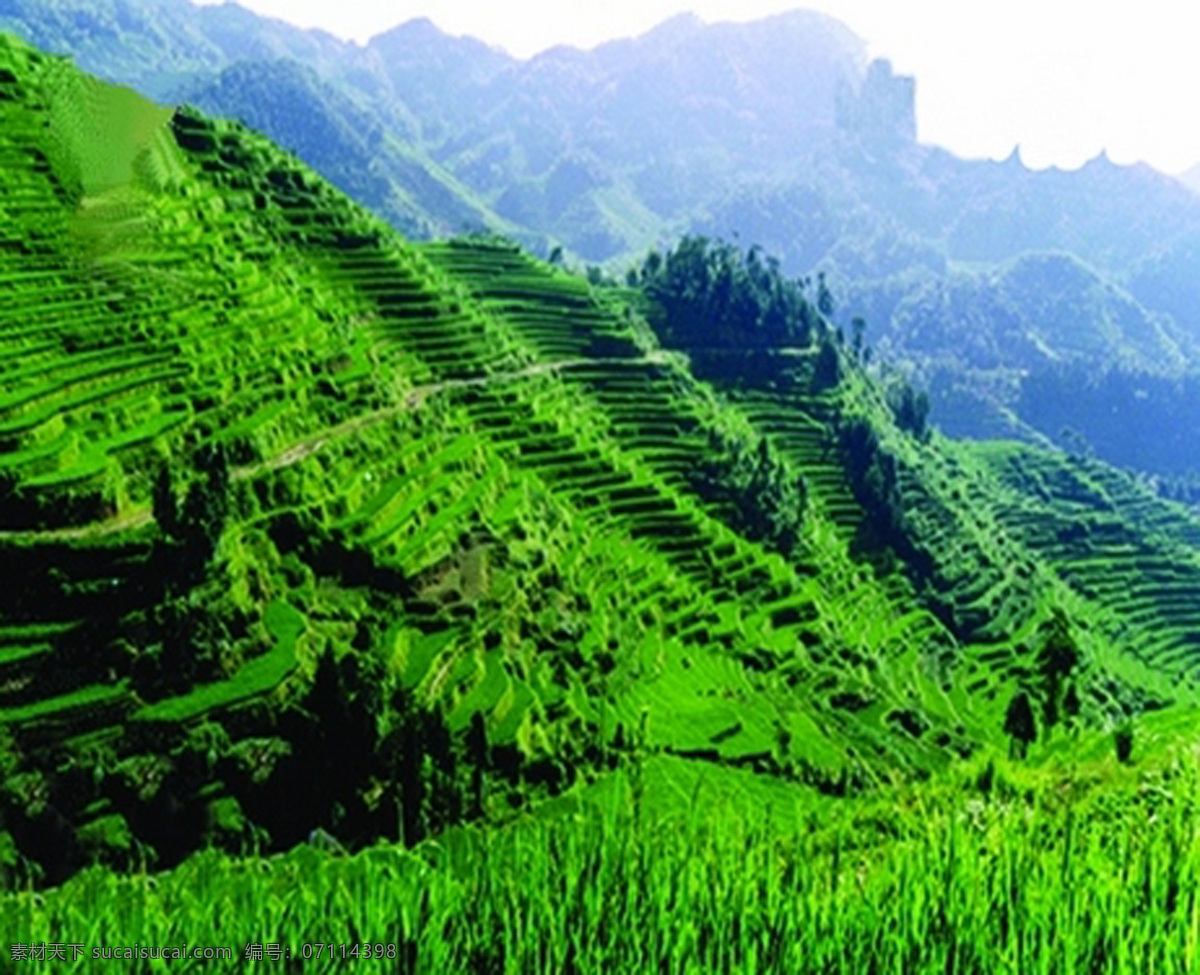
(289, 492)
(1114, 542)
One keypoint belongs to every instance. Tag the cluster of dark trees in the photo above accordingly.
(192, 528)
(711, 294)
(874, 479)
(1182, 487)
(764, 501)
(1053, 682)
(910, 409)
(30, 510)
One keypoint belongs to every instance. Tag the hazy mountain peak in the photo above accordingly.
(1100, 161)
(418, 51)
(236, 15)
(677, 26)
(423, 32)
(416, 29)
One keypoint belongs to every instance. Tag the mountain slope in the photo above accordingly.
(267, 73)
(776, 132)
(261, 451)
(157, 44)
(417, 534)
(345, 143)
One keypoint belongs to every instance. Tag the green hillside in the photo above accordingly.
(984, 277)
(315, 536)
(346, 143)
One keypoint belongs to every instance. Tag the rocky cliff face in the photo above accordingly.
(883, 110)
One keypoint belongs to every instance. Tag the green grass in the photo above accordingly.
(1082, 876)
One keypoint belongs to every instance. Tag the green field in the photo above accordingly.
(420, 594)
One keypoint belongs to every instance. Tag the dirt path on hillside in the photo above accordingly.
(414, 399)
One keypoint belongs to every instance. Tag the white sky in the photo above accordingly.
(1062, 78)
